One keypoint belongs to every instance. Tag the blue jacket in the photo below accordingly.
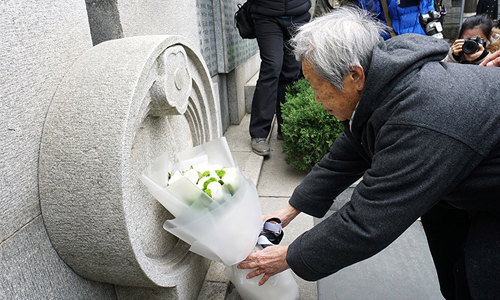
(406, 20)
(405, 17)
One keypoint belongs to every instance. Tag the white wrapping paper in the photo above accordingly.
(281, 286)
(224, 231)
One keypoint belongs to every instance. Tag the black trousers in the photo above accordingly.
(465, 247)
(278, 69)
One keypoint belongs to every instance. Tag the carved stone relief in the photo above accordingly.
(122, 104)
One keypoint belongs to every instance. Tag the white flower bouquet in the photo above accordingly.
(216, 209)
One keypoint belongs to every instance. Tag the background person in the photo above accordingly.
(275, 22)
(423, 148)
(488, 7)
(476, 26)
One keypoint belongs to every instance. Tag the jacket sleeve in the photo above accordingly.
(338, 169)
(411, 170)
(449, 57)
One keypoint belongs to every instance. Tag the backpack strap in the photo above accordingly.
(388, 20)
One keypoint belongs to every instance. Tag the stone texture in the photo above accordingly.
(403, 270)
(152, 17)
(239, 144)
(107, 122)
(249, 91)
(38, 44)
(236, 81)
(31, 269)
(213, 291)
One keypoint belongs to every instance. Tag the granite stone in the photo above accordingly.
(31, 269)
(120, 105)
(38, 44)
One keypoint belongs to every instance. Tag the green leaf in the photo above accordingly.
(204, 174)
(205, 184)
(220, 173)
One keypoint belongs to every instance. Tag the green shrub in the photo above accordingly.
(308, 129)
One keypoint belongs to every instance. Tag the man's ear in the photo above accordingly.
(358, 77)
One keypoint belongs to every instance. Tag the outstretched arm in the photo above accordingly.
(286, 215)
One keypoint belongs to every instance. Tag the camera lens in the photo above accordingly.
(470, 46)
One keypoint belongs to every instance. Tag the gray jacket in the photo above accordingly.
(423, 131)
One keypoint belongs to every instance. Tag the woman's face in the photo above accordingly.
(468, 33)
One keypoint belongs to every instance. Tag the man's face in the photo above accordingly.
(341, 104)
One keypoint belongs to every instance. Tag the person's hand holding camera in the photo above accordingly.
(475, 55)
(456, 48)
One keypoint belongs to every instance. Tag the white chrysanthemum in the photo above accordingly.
(232, 180)
(216, 191)
(192, 175)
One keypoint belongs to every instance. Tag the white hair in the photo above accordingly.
(338, 41)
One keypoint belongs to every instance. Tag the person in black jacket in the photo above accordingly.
(422, 147)
(275, 22)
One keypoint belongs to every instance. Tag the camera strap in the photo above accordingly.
(388, 19)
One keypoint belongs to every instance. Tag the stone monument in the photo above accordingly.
(91, 92)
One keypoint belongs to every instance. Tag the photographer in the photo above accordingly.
(476, 40)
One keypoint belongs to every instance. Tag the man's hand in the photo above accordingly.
(286, 215)
(492, 60)
(270, 261)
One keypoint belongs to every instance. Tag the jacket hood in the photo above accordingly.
(391, 61)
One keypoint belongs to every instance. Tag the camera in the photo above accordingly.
(471, 45)
(431, 23)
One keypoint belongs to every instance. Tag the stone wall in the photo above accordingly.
(38, 45)
(43, 98)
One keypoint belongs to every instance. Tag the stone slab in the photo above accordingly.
(402, 271)
(238, 137)
(39, 44)
(213, 291)
(31, 269)
(278, 179)
(249, 91)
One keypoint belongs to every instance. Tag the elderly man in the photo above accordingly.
(423, 135)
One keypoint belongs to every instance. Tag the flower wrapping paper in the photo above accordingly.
(225, 230)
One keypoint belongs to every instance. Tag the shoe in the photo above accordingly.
(279, 136)
(260, 146)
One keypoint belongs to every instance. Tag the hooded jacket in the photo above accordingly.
(280, 8)
(423, 131)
